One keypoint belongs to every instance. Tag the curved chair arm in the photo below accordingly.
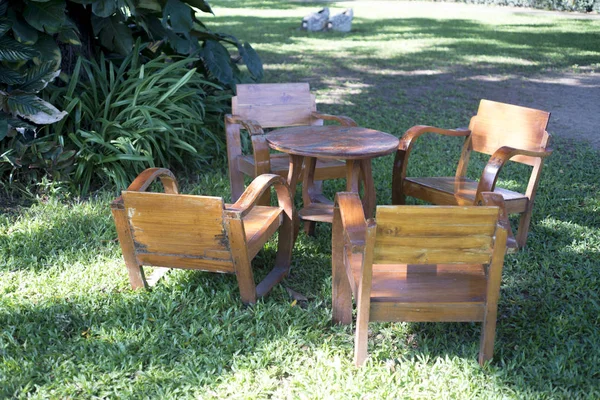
(343, 120)
(146, 177)
(496, 199)
(352, 218)
(257, 188)
(413, 133)
(490, 173)
(251, 126)
(406, 143)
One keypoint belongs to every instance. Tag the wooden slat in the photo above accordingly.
(452, 191)
(176, 224)
(177, 261)
(499, 124)
(437, 234)
(275, 105)
(426, 312)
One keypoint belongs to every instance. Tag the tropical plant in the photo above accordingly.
(125, 118)
(39, 36)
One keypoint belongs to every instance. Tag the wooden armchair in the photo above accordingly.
(201, 232)
(504, 131)
(418, 263)
(259, 106)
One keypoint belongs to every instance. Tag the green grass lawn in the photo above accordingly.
(70, 327)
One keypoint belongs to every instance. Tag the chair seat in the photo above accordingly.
(453, 191)
(444, 283)
(280, 164)
(260, 224)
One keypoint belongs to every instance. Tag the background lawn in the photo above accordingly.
(71, 327)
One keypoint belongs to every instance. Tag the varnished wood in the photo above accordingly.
(357, 146)
(507, 133)
(418, 263)
(259, 106)
(201, 232)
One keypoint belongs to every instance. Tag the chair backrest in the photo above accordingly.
(499, 124)
(275, 105)
(174, 230)
(434, 234)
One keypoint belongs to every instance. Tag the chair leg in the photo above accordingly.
(488, 334)
(523, 229)
(309, 228)
(245, 279)
(362, 333)
(236, 182)
(283, 259)
(137, 279)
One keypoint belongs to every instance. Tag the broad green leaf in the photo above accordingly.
(182, 45)
(10, 76)
(152, 5)
(46, 17)
(3, 127)
(39, 76)
(113, 34)
(25, 104)
(22, 31)
(252, 60)
(11, 50)
(48, 51)
(201, 5)
(216, 59)
(3, 7)
(104, 8)
(69, 36)
(178, 15)
(5, 25)
(43, 117)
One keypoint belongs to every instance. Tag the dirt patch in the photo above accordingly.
(572, 99)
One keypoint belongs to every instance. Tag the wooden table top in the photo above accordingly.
(332, 141)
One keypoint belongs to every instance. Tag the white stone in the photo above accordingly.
(316, 21)
(341, 22)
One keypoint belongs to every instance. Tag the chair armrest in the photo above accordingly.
(145, 178)
(251, 126)
(490, 173)
(343, 120)
(257, 188)
(400, 166)
(496, 199)
(413, 133)
(352, 218)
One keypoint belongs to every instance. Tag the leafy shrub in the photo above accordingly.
(123, 119)
(38, 36)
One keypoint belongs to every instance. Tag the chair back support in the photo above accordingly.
(434, 235)
(181, 231)
(498, 124)
(275, 105)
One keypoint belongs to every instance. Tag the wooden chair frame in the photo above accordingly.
(504, 131)
(360, 245)
(244, 229)
(260, 106)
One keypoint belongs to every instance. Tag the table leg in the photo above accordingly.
(355, 171)
(292, 180)
(368, 200)
(309, 191)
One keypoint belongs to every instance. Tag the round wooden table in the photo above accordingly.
(357, 146)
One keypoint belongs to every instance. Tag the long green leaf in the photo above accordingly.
(177, 86)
